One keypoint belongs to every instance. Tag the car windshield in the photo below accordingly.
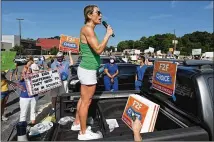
(127, 69)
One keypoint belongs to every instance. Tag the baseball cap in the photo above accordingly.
(59, 54)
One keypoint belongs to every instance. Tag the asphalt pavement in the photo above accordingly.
(12, 110)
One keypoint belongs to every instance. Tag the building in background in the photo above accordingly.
(30, 47)
(46, 44)
(5, 46)
(14, 39)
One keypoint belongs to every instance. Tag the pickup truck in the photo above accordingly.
(189, 118)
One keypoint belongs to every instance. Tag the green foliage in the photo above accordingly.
(163, 42)
(19, 49)
(54, 50)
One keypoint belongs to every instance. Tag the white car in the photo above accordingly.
(20, 60)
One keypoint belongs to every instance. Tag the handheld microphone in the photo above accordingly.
(106, 25)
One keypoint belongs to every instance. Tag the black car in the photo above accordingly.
(126, 78)
(103, 60)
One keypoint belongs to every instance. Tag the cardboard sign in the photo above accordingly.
(68, 43)
(159, 52)
(176, 52)
(151, 49)
(171, 49)
(7, 60)
(146, 51)
(164, 77)
(42, 82)
(196, 51)
(143, 109)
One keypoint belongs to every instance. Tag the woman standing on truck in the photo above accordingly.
(90, 50)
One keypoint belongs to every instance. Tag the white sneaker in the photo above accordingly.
(75, 127)
(4, 118)
(89, 135)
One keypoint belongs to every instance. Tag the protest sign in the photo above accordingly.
(68, 43)
(171, 49)
(176, 52)
(143, 109)
(159, 52)
(164, 77)
(42, 82)
(7, 60)
(151, 49)
(196, 51)
(146, 51)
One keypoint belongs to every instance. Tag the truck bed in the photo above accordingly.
(167, 126)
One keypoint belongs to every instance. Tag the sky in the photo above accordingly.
(130, 20)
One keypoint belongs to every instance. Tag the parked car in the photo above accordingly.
(21, 60)
(126, 78)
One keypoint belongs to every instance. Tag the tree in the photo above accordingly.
(19, 49)
(186, 43)
(54, 50)
(122, 46)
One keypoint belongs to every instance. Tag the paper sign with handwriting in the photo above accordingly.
(68, 43)
(164, 77)
(143, 109)
(42, 82)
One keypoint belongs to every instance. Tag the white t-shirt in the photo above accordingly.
(34, 68)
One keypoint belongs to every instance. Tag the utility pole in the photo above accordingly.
(174, 40)
(20, 29)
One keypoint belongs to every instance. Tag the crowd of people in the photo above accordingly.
(34, 65)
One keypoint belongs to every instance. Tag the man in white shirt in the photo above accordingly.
(35, 67)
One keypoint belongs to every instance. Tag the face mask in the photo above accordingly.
(112, 61)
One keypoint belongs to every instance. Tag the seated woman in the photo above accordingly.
(110, 79)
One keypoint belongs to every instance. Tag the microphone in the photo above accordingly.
(106, 25)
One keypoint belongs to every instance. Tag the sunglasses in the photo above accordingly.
(98, 13)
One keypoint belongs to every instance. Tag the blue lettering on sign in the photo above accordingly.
(70, 45)
(130, 112)
(163, 78)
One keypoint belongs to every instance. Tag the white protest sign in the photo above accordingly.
(42, 82)
(159, 52)
(151, 49)
(196, 51)
(146, 51)
(176, 52)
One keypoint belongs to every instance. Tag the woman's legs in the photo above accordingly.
(86, 95)
(3, 104)
(107, 83)
(33, 109)
(11, 74)
(77, 119)
(115, 84)
(24, 105)
(16, 74)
